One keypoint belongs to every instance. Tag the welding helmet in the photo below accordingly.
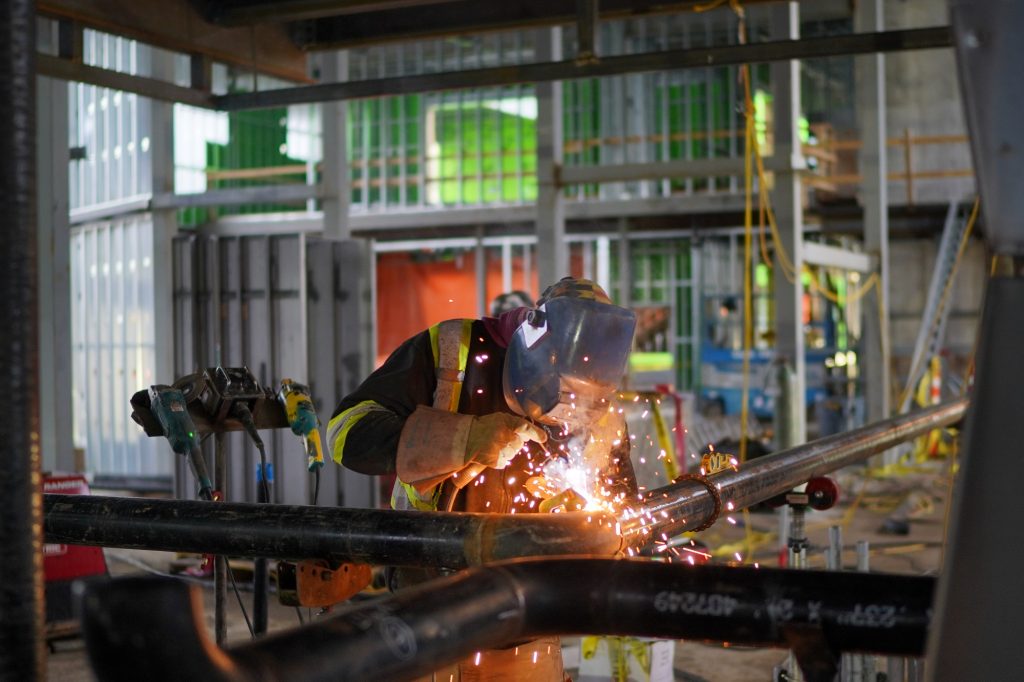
(569, 355)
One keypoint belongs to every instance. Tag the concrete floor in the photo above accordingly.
(867, 502)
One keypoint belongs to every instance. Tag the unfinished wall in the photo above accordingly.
(913, 261)
(924, 97)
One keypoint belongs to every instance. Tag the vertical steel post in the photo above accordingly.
(874, 169)
(337, 187)
(864, 664)
(552, 251)
(22, 646)
(480, 271)
(979, 619)
(789, 334)
(834, 557)
(54, 274)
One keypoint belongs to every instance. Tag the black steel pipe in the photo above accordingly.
(22, 601)
(457, 540)
(396, 538)
(688, 505)
(139, 629)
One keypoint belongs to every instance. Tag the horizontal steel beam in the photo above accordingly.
(375, 536)
(682, 168)
(65, 69)
(835, 257)
(432, 219)
(688, 505)
(245, 13)
(237, 196)
(805, 48)
(111, 209)
(472, 17)
(150, 628)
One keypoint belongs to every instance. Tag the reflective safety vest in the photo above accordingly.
(449, 343)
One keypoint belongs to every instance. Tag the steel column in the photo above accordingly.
(336, 182)
(979, 595)
(54, 248)
(874, 168)
(22, 646)
(789, 213)
(552, 252)
(355, 312)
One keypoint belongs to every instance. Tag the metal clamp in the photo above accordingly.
(712, 490)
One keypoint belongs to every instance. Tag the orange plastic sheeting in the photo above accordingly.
(417, 290)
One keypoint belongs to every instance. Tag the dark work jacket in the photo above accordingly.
(407, 380)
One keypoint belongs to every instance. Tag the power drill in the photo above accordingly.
(298, 407)
(168, 405)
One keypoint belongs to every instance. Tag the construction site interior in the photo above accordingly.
(272, 264)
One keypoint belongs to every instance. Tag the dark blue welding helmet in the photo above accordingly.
(569, 356)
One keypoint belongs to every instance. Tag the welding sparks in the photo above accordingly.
(476, 659)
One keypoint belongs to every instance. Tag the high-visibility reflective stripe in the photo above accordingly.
(340, 425)
(403, 492)
(449, 344)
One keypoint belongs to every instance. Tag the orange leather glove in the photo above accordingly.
(494, 439)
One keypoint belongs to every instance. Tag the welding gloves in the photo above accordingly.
(436, 444)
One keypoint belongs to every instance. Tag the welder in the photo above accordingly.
(467, 412)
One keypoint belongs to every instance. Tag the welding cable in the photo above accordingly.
(712, 490)
(238, 595)
(241, 411)
(186, 579)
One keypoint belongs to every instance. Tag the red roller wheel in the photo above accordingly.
(822, 493)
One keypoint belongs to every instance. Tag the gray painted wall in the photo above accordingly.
(924, 96)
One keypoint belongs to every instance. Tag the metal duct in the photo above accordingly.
(22, 645)
(141, 628)
(396, 538)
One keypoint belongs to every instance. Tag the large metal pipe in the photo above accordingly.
(22, 610)
(143, 629)
(458, 540)
(396, 538)
(689, 504)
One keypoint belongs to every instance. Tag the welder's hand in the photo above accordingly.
(494, 439)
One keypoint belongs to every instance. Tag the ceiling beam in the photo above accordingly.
(175, 25)
(464, 17)
(244, 13)
(805, 48)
